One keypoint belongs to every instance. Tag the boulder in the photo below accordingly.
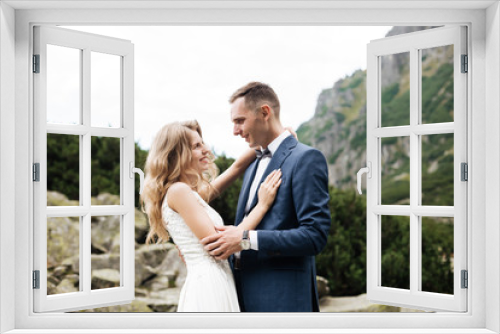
(135, 306)
(105, 234)
(55, 198)
(105, 199)
(148, 260)
(105, 261)
(63, 239)
(105, 278)
(163, 300)
(356, 304)
(173, 266)
(323, 288)
(67, 285)
(141, 227)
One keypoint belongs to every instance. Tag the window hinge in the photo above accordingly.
(464, 172)
(36, 63)
(36, 172)
(36, 279)
(465, 279)
(465, 64)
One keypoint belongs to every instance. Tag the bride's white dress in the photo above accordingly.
(209, 285)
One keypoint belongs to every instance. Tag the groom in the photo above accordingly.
(274, 265)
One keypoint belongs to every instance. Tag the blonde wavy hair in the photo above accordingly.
(168, 159)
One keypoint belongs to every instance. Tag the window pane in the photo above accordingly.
(105, 90)
(63, 255)
(395, 170)
(396, 252)
(63, 85)
(437, 84)
(395, 99)
(105, 170)
(63, 170)
(106, 236)
(437, 254)
(437, 170)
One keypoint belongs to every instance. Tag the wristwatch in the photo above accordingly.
(245, 241)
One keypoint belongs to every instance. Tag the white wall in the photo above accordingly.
(7, 160)
(492, 149)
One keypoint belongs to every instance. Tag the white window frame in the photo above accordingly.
(483, 126)
(413, 44)
(123, 50)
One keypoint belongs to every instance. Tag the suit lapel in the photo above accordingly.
(245, 191)
(277, 160)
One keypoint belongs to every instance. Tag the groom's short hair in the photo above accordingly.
(256, 94)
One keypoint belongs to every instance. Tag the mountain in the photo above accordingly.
(338, 127)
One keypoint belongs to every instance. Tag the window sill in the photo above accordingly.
(263, 331)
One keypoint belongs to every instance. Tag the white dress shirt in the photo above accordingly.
(261, 168)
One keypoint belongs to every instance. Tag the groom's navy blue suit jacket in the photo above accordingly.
(281, 275)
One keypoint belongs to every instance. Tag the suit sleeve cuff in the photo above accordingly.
(254, 241)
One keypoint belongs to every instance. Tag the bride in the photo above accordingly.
(180, 181)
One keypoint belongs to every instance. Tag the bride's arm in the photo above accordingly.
(229, 176)
(182, 200)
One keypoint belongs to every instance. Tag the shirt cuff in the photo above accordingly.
(254, 241)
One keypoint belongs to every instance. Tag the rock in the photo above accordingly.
(55, 198)
(141, 293)
(141, 227)
(158, 283)
(105, 278)
(323, 288)
(148, 260)
(105, 199)
(173, 266)
(105, 233)
(66, 285)
(135, 306)
(63, 239)
(163, 301)
(356, 304)
(349, 304)
(105, 261)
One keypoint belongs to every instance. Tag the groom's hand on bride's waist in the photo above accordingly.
(223, 244)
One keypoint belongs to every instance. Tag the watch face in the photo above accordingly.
(245, 244)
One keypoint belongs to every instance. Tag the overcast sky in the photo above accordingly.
(186, 72)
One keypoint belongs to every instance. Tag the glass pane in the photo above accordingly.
(63, 170)
(437, 170)
(396, 252)
(106, 235)
(105, 90)
(437, 84)
(105, 171)
(395, 170)
(63, 255)
(437, 255)
(63, 85)
(395, 80)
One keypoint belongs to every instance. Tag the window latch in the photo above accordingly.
(133, 170)
(362, 171)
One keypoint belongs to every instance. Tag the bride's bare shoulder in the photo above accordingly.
(177, 193)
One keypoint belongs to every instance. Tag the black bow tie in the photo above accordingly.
(262, 154)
